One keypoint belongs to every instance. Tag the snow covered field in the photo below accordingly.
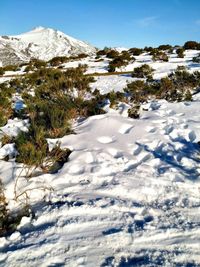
(129, 195)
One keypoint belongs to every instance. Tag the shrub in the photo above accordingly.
(33, 151)
(191, 45)
(8, 221)
(11, 68)
(196, 59)
(181, 68)
(31, 146)
(165, 47)
(111, 67)
(137, 90)
(37, 63)
(5, 109)
(103, 52)
(145, 71)
(134, 112)
(159, 55)
(135, 51)
(125, 56)
(2, 72)
(82, 55)
(166, 88)
(183, 79)
(6, 139)
(188, 96)
(112, 54)
(3, 211)
(149, 49)
(114, 98)
(58, 60)
(180, 52)
(117, 63)
(57, 157)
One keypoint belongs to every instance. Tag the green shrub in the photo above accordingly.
(125, 55)
(135, 51)
(5, 109)
(148, 49)
(117, 62)
(101, 53)
(2, 72)
(159, 55)
(145, 71)
(33, 150)
(180, 52)
(138, 91)
(165, 47)
(112, 54)
(31, 146)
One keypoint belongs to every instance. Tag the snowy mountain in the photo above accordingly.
(42, 43)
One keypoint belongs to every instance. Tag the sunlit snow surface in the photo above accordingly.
(129, 195)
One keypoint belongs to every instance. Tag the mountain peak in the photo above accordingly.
(39, 28)
(42, 43)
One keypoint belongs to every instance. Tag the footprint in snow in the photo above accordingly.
(125, 128)
(114, 152)
(105, 140)
(150, 129)
(192, 136)
(136, 150)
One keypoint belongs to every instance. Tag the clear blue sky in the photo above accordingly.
(126, 23)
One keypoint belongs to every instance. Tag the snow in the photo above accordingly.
(131, 188)
(162, 69)
(107, 83)
(129, 194)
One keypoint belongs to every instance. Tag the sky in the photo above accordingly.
(116, 23)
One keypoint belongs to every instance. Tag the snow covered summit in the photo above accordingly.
(42, 43)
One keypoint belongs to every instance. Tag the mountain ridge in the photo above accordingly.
(41, 43)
